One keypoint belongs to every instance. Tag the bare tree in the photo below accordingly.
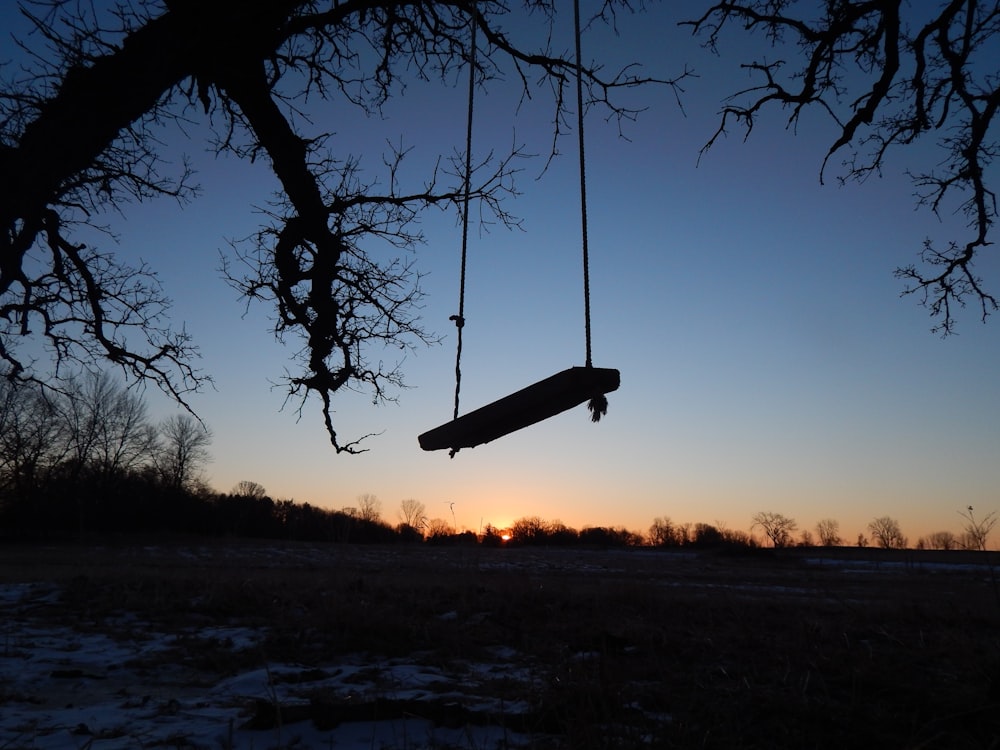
(889, 74)
(183, 450)
(887, 533)
(30, 439)
(369, 507)
(439, 528)
(828, 530)
(706, 535)
(664, 533)
(104, 86)
(529, 529)
(977, 530)
(106, 426)
(249, 489)
(942, 540)
(413, 513)
(776, 527)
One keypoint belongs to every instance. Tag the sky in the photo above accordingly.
(768, 362)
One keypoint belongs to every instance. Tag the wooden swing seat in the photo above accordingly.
(539, 401)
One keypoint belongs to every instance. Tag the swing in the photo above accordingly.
(554, 394)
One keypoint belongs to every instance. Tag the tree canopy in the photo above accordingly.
(79, 127)
(83, 111)
(889, 74)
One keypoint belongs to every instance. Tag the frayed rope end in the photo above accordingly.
(598, 407)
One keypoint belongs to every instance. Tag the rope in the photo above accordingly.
(583, 186)
(598, 404)
(460, 317)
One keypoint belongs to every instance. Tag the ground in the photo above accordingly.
(239, 645)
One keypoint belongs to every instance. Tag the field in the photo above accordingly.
(235, 645)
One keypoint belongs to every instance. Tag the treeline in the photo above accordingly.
(533, 530)
(86, 460)
(86, 457)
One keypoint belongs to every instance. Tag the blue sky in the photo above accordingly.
(767, 360)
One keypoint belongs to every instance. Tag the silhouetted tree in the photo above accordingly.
(738, 539)
(248, 515)
(369, 507)
(31, 440)
(439, 530)
(828, 531)
(609, 536)
(887, 533)
(977, 530)
(182, 451)
(889, 74)
(413, 513)
(104, 435)
(409, 534)
(706, 535)
(941, 540)
(776, 527)
(491, 536)
(249, 488)
(663, 533)
(103, 88)
(106, 426)
(529, 530)
(559, 534)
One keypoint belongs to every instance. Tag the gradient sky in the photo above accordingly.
(767, 360)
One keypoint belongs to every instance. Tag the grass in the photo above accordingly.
(606, 649)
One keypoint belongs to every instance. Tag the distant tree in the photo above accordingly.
(663, 533)
(31, 440)
(776, 527)
(369, 507)
(558, 533)
(413, 513)
(248, 488)
(182, 451)
(889, 75)
(491, 536)
(609, 536)
(249, 512)
(529, 530)
(409, 534)
(976, 533)
(806, 539)
(977, 530)
(685, 532)
(828, 531)
(628, 537)
(862, 540)
(887, 533)
(706, 535)
(739, 539)
(106, 426)
(438, 529)
(942, 540)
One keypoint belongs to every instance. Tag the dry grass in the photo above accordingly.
(624, 649)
